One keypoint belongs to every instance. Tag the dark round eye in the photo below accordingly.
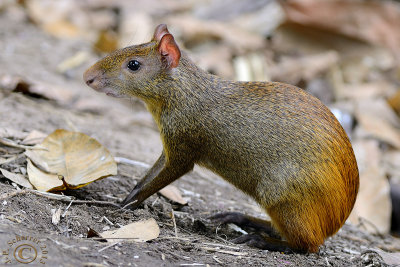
(133, 65)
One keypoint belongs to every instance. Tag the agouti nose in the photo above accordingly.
(93, 79)
(89, 81)
(89, 76)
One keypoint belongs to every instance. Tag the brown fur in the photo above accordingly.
(273, 141)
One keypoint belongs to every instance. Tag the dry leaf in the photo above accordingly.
(376, 22)
(73, 62)
(394, 101)
(7, 160)
(391, 259)
(43, 181)
(378, 108)
(373, 200)
(292, 70)
(359, 91)
(391, 165)
(107, 41)
(50, 91)
(34, 138)
(12, 133)
(378, 128)
(16, 178)
(376, 119)
(172, 193)
(62, 29)
(135, 27)
(197, 31)
(39, 89)
(140, 231)
(53, 16)
(76, 157)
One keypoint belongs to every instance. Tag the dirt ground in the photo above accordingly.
(127, 130)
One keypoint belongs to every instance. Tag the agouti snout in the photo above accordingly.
(273, 141)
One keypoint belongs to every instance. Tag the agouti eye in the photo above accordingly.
(133, 65)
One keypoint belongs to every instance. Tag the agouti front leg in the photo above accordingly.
(160, 175)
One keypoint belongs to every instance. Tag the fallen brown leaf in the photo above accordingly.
(43, 181)
(172, 193)
(37, 89)
(75, 157)
(140, 231)
(197, 31)
(292, 70)
(391, 259)
(34, 138)
(373, 200)
(16, 178)
(376, 22)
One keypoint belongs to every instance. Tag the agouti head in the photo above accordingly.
(132, 71)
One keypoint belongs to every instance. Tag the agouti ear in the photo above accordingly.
(169, 51)
(167, 46)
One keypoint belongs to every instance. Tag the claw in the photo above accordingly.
(131, 200)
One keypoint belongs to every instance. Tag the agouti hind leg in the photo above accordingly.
(272, 242)
(243, 221)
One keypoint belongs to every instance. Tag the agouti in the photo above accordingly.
(273, 141)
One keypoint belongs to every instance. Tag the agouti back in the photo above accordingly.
(273, 141)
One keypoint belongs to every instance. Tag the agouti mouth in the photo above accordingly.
(111, 94)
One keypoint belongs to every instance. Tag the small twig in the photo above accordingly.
(221, 245)
(106, 219)
(363, 221)
(98, 202)
(235, 253)
(58, 197)
(154, 202)
(118, 238)
(216, 259)
(174, 222)
(131, 162)
(109, 246)
(12, 194)
(174, 237)
(10, 159)
(127, 205)
(327, 262)
(66, 209)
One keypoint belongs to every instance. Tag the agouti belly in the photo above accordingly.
(273, 141)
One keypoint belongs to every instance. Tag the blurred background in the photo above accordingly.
(345, 52)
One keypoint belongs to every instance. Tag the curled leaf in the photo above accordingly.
(68, 160)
